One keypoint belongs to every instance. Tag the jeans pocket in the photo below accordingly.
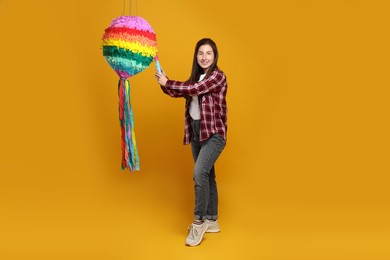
(220, 139)
(219, 142)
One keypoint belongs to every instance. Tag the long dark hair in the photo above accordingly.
(196, 69)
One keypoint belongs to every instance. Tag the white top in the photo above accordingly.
(194, 105)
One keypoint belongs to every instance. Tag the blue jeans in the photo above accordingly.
(205, 154)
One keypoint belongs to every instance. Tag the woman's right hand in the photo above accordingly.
(161, 78)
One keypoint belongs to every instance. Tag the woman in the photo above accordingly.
(205, 129)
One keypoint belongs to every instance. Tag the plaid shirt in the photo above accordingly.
(212, 103)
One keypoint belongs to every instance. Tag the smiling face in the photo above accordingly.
(205, 57)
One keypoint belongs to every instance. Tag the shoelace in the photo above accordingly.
(193, 232)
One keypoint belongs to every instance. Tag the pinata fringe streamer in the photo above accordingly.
(130, 159)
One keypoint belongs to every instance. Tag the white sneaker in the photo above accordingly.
(212, 226)
(196, 234)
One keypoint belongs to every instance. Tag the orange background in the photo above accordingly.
(305, 171)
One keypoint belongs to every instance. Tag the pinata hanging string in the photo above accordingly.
(131, 5)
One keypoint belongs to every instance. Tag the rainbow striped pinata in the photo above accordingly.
(129, 46)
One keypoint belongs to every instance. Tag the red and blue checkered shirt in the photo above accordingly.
(212, 104)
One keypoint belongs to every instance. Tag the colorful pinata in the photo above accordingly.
(129, 46)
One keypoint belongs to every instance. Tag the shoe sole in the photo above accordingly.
(196, 243)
